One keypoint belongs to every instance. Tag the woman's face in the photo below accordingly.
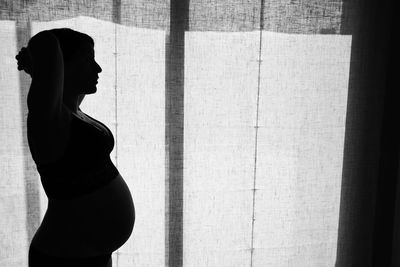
(81, 72)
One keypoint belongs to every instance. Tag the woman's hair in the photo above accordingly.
(70, 41)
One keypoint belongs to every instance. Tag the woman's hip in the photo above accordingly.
(38, 258)
(101, 223)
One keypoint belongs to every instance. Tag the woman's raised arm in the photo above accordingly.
(48, 121)
(45, 97)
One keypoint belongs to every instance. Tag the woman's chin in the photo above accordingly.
(91, 90)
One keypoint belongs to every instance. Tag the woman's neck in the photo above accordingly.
(73, 102)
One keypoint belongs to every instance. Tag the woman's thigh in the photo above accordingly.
(40, 259)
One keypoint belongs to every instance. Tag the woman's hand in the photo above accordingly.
(24, 59)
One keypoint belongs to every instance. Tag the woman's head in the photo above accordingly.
(71, 41)
(80, 68)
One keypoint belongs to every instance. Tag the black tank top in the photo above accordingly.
(85, 165)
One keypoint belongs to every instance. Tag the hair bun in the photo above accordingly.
(24, 60)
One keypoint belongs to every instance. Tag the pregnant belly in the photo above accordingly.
(90, 225)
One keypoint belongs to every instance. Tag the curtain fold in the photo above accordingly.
(250, 133)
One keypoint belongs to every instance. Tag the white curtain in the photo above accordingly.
(268, 153)
(264, 125)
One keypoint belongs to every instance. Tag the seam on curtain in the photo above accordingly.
(116, 17)
(256, 130)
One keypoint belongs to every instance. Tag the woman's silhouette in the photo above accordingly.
(90, 210)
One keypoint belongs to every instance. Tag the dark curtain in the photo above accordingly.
(370, 166)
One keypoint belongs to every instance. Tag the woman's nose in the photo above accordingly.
(98, 68)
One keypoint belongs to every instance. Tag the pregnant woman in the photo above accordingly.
(90, 209)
